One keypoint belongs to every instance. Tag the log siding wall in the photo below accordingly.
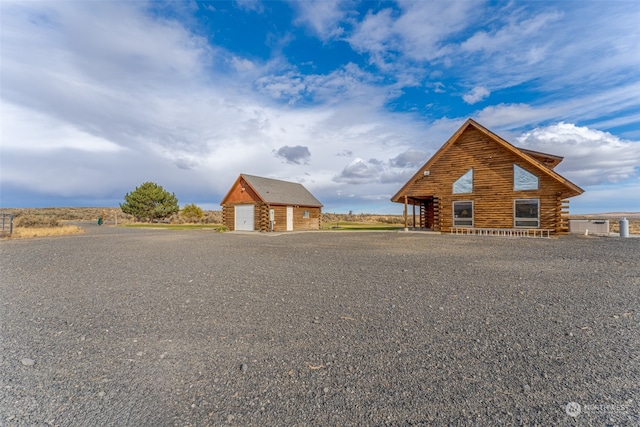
(261, 217)
(299, 222)
(493, 192)
(243, 194)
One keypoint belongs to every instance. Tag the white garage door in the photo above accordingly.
(244, 218)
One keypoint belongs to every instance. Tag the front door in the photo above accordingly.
(289, 218)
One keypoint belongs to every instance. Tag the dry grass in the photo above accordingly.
(51, 221)
(71, 214)
(64, 230)
(363, 218)
(110, 215)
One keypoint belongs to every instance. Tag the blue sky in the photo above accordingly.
(348, 98)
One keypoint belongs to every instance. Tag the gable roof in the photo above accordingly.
(277, 192)
(549, 160)
(529, 156)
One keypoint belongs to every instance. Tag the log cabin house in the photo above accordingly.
(265, 204)
(478, 183)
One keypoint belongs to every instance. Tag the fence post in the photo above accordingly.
(6, 216)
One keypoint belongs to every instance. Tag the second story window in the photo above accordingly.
(464, 184)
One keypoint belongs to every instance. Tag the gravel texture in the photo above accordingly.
(128, 327)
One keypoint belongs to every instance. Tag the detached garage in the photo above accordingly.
(263, 204)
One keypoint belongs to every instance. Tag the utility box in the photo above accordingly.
(596, 227)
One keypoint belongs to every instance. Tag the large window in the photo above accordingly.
(526, 213)
(464, 184)
(463, 214)
(523, 180)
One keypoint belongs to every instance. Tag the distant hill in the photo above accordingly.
(617, 215)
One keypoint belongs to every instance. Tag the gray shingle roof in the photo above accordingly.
(275, 191)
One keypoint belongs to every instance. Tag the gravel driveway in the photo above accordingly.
(127, 327)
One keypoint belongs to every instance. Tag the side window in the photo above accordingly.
(464, 184)
(523, 180)
(526, 213)
(463, 213)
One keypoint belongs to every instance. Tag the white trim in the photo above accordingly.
(289, 218)
(523, 180)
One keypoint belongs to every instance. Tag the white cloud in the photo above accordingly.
(165, 121)
(476, 94)
(591, 156)
(98, 97)
(360, 171)
(375, 35)
(321, 16)
(250, 5)
(425, 26)
(27, 131)
(418, 31)
(242, 64)
(519, 30)
(553, 47)
(513, 115)
(411, 158)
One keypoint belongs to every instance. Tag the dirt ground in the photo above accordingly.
(139, 327)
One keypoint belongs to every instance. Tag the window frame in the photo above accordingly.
(306, 214)
(453, 186)
(516, 219)
(462, 219)
(515, 187)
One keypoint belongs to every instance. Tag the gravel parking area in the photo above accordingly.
(129, 327)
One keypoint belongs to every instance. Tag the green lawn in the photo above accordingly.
(333, 226)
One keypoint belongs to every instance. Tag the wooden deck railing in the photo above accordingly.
(504, 232)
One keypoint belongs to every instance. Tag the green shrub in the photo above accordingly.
(191, 213)
(150, 202)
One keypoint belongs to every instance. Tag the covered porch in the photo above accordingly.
(424, 214)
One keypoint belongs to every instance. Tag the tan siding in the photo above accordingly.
(302, 223)
(280, 218)
(299, 222)
(229, 216)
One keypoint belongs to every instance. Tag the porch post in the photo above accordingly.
(406, 216)
(414, 215)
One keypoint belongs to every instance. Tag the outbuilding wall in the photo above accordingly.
(243, 194)
(314, 221)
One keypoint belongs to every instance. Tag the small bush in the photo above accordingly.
(191, 213)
